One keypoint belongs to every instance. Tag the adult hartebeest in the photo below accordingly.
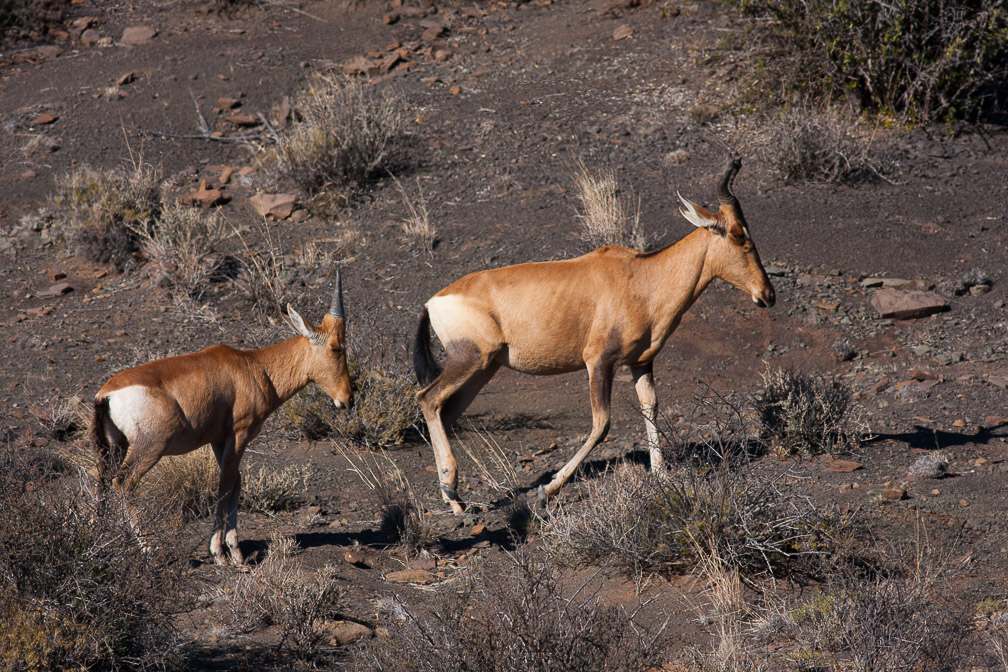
(611, 307)
(219, 396)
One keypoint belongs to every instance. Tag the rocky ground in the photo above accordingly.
(500, 99)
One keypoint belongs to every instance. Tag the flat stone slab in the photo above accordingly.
(907, 305)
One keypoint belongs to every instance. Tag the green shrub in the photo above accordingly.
(925, 60)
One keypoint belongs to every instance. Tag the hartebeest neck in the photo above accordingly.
(678, 274)
(284, 366)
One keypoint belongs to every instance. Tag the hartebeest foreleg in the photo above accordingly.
(600, 379)
(643, 378)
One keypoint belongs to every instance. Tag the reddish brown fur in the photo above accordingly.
(218, 396)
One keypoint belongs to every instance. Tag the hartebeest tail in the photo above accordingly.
(611, 307)
(424, 364)
(218, 396)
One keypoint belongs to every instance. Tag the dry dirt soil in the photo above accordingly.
(491, 134)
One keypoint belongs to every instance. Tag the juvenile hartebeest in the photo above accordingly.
(611, 307)
(219, 396)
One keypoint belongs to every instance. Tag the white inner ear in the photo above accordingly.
(691, 211)
(298, 323)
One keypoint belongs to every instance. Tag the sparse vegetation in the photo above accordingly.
(644, 523)
(816, 143)
(269, 490)
(29, 19)
(279, 592)
(806, 415)
(897, 615)
(79, 589)
(516, 620)
(183, 485)
(607, 216)
(382, 415)
(341, 136)
(420, 233)
(183, 247)
(100, 211)
(916, 61)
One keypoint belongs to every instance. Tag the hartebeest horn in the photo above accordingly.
(336, 309)
(725, 196)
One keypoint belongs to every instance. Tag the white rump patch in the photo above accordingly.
(454, 317)
(129, 408)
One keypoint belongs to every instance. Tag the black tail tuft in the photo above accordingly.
(99, 440)
(424, 364)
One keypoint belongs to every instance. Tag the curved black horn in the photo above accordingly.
(725, 196)
(336, 309)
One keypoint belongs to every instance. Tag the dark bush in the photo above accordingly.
(928, 60)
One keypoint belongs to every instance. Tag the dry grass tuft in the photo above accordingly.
(648, 523)
(183, 247)
(269, 490)
(81, 589)
(183, 485)
(100, 212)
(808, 143)
(608, 217)
(421, 234)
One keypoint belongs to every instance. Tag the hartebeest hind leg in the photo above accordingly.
(644, 383)
(466, 372)
(600, 378)
(225, 529)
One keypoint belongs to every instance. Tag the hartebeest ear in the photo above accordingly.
(697, 214)
(300, 325)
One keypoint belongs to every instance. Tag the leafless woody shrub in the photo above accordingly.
(519, 619)
(804, 414)
(79, 589)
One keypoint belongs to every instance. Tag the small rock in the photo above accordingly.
(343, 633)
(894, 494)
(980, 461)
(354, 558)
(879, 387)
(204, 197)
(622, 32)
(922, 375)
(1000, 382)
(243, 120)
(90, 37)
(977, 290)
(58, 289)
(907, 305)
(136, 35)
(420, 576)
(360, 65)
(45, 118)
(964, 502)
(275, 206)
(477, 530)
(126, 79)
(929, 466)
(844, 466)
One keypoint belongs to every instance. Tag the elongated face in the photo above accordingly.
(326, 364)
(733, 256)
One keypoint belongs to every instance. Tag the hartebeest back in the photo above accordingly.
(218, 396)
(611, 307)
